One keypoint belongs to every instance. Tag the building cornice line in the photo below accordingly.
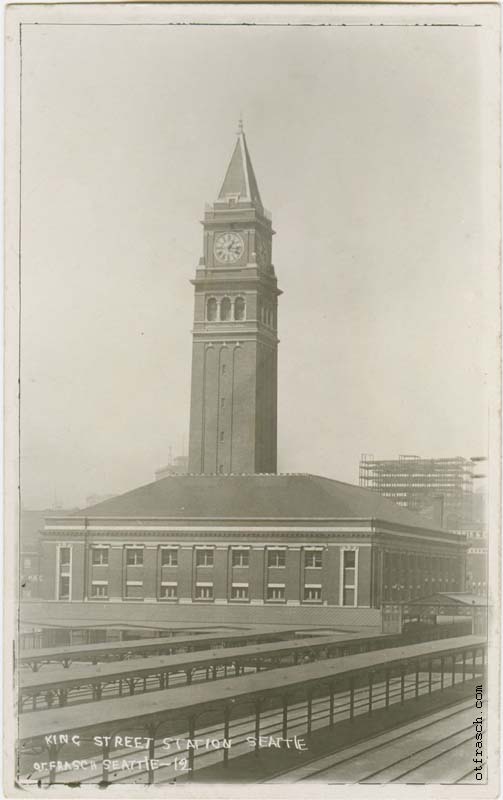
(228, 533)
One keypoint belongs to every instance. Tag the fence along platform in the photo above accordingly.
(149, 712)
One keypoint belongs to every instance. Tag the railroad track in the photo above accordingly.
(349, 765)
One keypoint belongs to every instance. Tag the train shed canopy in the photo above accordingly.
(458, 600)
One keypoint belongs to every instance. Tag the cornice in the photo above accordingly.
(248, 522)
(227, 535)
(215, 277)
(215, 218)
(396, 544)
(383, 526)
(228, 337)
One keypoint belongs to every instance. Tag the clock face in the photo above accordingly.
(228, 247)
(262, 252)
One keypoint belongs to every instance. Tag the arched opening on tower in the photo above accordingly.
(239, 309)
(211, 309)
(225, 309)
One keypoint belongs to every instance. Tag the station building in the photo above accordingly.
(249, 540)
(232, 532)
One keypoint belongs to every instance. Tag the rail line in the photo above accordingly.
(436, 756)
(371, 747)
(466, 774)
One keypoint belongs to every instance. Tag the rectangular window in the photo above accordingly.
(276, 558)
(169, 557)
(134, 556)
(349, 567)
(64, 568)
(239, 591)
(349, 577)
(99, 556)
(169, 591)
(134, 590)
(313, 559)
(222, 436)
(204, 557)
(349, 596)
(99, 589)
(312, 593)
(204, 591)
(64, 587)
(276, 592)
(240, 558)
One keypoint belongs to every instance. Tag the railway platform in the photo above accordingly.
(284, 702)
(112, 651)
(55, 685)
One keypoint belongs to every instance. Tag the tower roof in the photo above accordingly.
(240, 182)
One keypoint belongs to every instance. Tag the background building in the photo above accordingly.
(441, 490)
(31, 551)
(476, 536)
(440, 487)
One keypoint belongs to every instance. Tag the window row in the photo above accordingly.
(203, 590)
(225, 309)
(205, 557)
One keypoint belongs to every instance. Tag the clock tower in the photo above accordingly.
(233, 414)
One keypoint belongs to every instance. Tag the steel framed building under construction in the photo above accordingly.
(440, 487)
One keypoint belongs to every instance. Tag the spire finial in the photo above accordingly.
(240, 124)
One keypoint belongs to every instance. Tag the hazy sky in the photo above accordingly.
(366, 146)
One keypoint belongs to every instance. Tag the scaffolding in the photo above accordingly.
(417, 483)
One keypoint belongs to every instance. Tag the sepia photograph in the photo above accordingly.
(252, 411)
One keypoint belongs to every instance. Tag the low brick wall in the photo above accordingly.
(162, 614)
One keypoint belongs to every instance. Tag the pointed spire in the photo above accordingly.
(240, 182)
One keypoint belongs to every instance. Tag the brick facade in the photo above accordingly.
(234, 568)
